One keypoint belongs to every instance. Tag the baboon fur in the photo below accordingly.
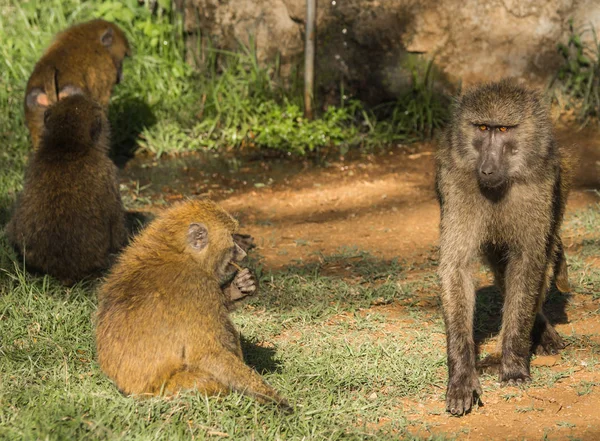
(163, 322)
(502, 183)
(87, 57)
(69, 218)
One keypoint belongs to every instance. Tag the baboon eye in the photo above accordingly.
(502, 129)
(483, 127)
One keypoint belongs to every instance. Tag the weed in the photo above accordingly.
(579, 76)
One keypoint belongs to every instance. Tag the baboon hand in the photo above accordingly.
(243, 285)
(461, 396)
(244, 241)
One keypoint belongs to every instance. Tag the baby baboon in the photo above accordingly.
(163, 322)
(69, 217)
(502, 184)
(86, 57)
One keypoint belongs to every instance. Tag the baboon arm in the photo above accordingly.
(233, 293)
(457, 252)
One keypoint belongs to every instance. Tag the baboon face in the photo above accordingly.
(501, 132)
(216, 248)
(495, 146)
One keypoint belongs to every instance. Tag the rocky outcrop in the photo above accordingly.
(366, 44)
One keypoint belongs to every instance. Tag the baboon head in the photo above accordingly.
(115, 42)
(74, 122)
(501, 133)
(214, 247)
(203, 231)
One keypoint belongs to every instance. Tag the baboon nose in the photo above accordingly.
(487, 171)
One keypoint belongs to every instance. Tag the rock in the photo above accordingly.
(366, 44)
(546, 360)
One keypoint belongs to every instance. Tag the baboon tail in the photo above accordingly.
(232, 371)
(198, 379)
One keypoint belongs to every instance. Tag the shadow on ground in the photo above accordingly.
(129, 116)
(261, 358)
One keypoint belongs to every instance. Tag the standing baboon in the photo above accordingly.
(163, 314)
(69, 217)
(87, 58)
(502, 183)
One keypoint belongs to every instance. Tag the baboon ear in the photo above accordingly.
(107, 37)
(95, 129)
(197, 236)
(37, 97)
(68, 91)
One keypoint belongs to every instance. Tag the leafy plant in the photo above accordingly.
(579, 76)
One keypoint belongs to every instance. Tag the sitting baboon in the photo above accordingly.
(69, 219)
(87, 58)
(163, 315)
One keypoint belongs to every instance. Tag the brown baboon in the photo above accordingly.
(502, 184)
(69, 217)
(163, 322)
(87, 58)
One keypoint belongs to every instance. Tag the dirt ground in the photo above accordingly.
(385, 204)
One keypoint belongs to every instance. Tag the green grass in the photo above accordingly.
(307, 333)
(318, 332)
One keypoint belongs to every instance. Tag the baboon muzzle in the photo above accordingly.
(489, 167)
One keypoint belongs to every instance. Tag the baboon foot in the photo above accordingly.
(461, 396)
(514, 371)
(546, 340)
(550, 342)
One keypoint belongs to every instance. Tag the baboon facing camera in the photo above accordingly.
(502, 184)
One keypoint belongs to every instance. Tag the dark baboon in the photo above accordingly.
(502, 184)
(86, 57)
(163, 322)
(69, 217)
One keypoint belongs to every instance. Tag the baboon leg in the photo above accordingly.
(198, 379)
(561, 272)
(526, 285)
(230, 369)
(497, 258)
(458, 300)
(545, 339)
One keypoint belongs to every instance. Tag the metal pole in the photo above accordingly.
(309, 57)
